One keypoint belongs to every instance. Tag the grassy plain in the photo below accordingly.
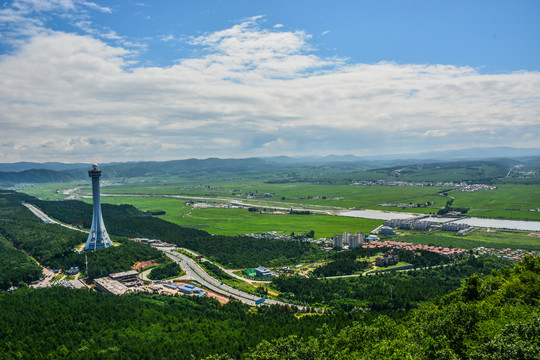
(240, 221)
(507, 201)
(339, 196)
(498, 239)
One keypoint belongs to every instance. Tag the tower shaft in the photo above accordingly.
(98, 237)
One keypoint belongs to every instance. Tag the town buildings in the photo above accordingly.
(338, 241)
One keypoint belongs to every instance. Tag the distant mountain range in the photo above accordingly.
(35, 176)
(29, 172)
(56, 166)
(469, 154)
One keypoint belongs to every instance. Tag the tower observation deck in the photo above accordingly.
(98, 237)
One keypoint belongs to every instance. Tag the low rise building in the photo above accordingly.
(386, 230)
(387, 260)
(110, 286)
(263, 272)
(129, 278)
(74, 270)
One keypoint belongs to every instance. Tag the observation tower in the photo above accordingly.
(98, 237)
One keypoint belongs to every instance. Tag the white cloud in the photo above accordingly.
(253, 92)
(166, 38)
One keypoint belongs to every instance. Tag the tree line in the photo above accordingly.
(384, 291)
(165, 271)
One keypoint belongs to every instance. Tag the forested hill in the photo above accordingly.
(35, 176)
(25, 165)
(492, 318)
(471, 171)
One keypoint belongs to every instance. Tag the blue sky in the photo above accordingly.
(136, 80)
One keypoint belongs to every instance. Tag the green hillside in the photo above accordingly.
(494, 317)
(35, 176)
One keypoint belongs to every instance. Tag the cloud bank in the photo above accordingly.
(250, 91)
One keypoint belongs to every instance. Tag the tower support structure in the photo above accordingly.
(98, 237)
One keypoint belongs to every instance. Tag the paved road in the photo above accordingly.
(198, 274)
(373, 272)
(228, 271)
(45, 218)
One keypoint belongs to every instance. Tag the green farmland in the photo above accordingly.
(222, 221)
(506, 201)
(498, 239)
(293, 194)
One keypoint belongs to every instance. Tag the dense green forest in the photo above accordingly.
(15, 266)
(79, 324)
(344, 263)
(113, 259)
(47, 243)
(384, 291)
(350, 262)
(491, 317)
(76, 212)
(165, 271)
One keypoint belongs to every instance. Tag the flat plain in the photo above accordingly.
(508, 201)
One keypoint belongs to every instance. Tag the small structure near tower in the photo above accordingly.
(98, 237)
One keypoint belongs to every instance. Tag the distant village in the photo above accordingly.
(462, 186)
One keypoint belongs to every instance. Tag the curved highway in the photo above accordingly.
(230, 272)
(198, 274)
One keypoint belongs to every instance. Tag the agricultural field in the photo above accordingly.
(498, 239)
(223, 221)
(507, 201)
(292, 194)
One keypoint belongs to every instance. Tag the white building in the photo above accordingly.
(346, 237)
(338, 241)
(356, 240)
